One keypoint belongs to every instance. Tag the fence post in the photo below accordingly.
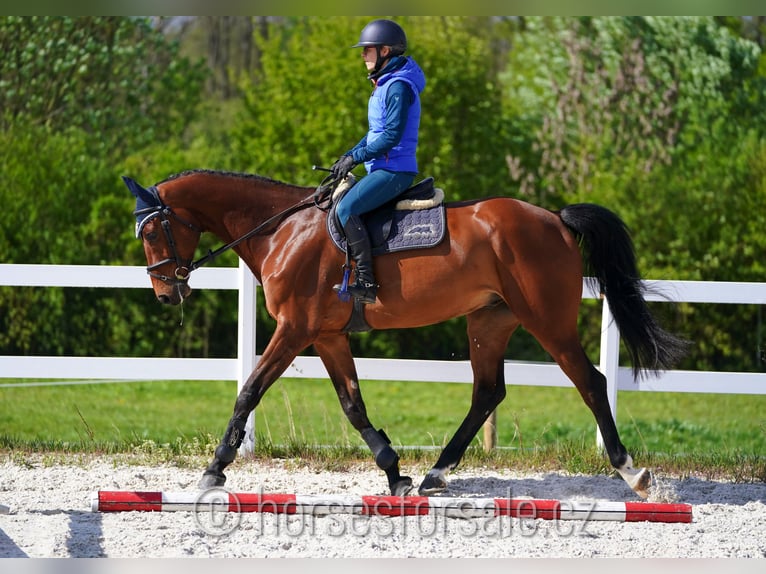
(490, 432)
(246, 352)
(609, 361)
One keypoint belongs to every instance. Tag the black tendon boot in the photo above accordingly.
(364, 287)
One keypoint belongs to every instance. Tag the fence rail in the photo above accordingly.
(240, 279)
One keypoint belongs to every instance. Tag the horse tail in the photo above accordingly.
(610, 261)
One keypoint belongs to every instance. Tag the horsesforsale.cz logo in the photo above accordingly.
(219, 512)
(211, 512)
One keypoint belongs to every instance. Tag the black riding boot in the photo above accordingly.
(364, 287)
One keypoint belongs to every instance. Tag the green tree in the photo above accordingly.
(606, 94)
(118, 79)
(76, 95)
(661, 119)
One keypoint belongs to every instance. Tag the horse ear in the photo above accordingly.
(141, 194)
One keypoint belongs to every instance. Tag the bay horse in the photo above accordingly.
(503, 263)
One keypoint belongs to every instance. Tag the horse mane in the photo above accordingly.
(222, 173)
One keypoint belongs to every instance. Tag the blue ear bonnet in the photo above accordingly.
(148, 203)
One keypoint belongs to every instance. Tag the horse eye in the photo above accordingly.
(150, 236)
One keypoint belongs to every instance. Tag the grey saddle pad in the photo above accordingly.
(398, 230)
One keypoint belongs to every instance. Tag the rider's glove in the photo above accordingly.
(341, 167)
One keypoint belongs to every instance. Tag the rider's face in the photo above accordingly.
(370, 56)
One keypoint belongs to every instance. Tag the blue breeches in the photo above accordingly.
(371, 191)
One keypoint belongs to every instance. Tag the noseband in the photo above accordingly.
(183, 267)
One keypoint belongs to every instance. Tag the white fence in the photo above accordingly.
(516, 372)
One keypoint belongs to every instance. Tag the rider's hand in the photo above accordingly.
(341, 167)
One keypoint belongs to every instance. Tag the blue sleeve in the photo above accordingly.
(399, 98)
(361, 145)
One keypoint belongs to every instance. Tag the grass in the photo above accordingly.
(538, 428)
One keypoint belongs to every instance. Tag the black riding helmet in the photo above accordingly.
(383, 33)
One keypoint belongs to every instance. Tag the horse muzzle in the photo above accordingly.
(175, 295)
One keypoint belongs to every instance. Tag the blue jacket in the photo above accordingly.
(393, 114)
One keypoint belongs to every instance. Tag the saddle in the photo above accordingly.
(413, 220)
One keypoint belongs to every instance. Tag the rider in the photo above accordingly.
(389, 147)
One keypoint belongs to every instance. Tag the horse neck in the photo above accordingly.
(230, 205)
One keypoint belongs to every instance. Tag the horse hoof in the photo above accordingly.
(433, 483)
(642, 482)
(211, 480)
(402, 487)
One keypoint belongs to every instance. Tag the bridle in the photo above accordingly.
(184, 267)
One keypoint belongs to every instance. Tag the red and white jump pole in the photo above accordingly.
(317, 505)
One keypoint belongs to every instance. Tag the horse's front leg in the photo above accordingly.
(279, 353)
(336, 356)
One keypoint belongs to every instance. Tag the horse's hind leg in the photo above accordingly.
(488, 332)
(592, 387)
(595, 396)
(337, 359)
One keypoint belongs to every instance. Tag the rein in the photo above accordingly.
(304, 203)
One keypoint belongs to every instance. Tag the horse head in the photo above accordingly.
(169, 243)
